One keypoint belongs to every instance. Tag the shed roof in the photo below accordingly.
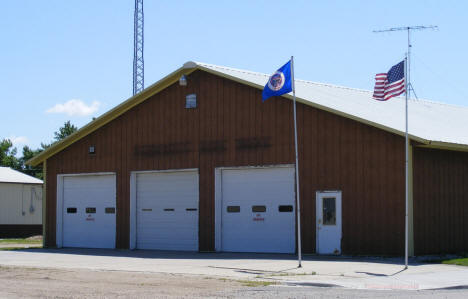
(430, 123)
(8, 175)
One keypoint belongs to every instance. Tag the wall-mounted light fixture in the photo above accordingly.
(92, 150)
(183, 80)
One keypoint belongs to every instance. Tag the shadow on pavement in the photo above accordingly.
(379, 274)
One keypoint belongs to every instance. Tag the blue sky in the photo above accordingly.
(76, 56)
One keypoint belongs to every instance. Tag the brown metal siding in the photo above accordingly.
(365, 163)
(440, 201)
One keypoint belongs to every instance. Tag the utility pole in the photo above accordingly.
(138, 62)
(408, 89)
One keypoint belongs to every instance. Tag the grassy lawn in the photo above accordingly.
(20, 241)
(18, 248)
(459, 262)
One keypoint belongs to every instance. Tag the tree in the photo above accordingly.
(8, 152)
(62, 133)
(65, 131)
(28, 153)
(8, 155)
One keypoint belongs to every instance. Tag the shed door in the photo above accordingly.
(89, 211)
(258, 210)
(167, 210)
(328, 208)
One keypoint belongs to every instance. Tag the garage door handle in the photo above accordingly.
(189, 209)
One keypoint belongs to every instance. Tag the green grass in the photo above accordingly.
(459, 262)
(256, 283)
(250, 283)
(20, 241)
(18, 248)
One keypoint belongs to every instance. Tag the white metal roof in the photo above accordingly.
(8, 175)
(430, 121)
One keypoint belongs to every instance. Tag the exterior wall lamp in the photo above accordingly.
(183, 80)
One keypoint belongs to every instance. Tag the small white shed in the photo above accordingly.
(20, 204)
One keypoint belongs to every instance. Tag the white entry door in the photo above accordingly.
(257, 210)
(88, 211)
(167, 210)
(328, 207)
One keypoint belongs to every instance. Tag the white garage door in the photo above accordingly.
(89, 211)
(258, 210)
(167, 210)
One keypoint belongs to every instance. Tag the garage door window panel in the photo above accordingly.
(285, 209)
(90, 210)
(233, 209)
(71, 210)
(258, 209)
(110, 210)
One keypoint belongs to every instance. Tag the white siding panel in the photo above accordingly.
(20, 203)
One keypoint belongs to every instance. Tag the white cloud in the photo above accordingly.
(18, 140)
(75, 108)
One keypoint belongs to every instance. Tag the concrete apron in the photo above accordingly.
(357, 273)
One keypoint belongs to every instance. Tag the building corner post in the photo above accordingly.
(44, 202)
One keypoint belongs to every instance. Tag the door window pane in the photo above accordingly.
(329, 211)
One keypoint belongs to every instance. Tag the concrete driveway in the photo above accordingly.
(357, 273)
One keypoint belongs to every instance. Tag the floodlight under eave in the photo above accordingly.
(183, 80)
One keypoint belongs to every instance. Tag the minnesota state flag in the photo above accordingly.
(279, 83)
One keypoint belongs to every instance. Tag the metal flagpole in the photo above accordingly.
(298, 204)
(406, 158)
(407, 83)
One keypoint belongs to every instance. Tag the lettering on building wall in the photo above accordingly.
(253, 143)
(162, 149)
(149, 150)
(213, 145)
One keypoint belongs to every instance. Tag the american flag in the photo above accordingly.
(391, 84)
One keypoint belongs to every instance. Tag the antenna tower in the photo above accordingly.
(138, 62)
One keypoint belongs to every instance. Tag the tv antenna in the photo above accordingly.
(138, 62)
(409, 87)
(408, 29)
